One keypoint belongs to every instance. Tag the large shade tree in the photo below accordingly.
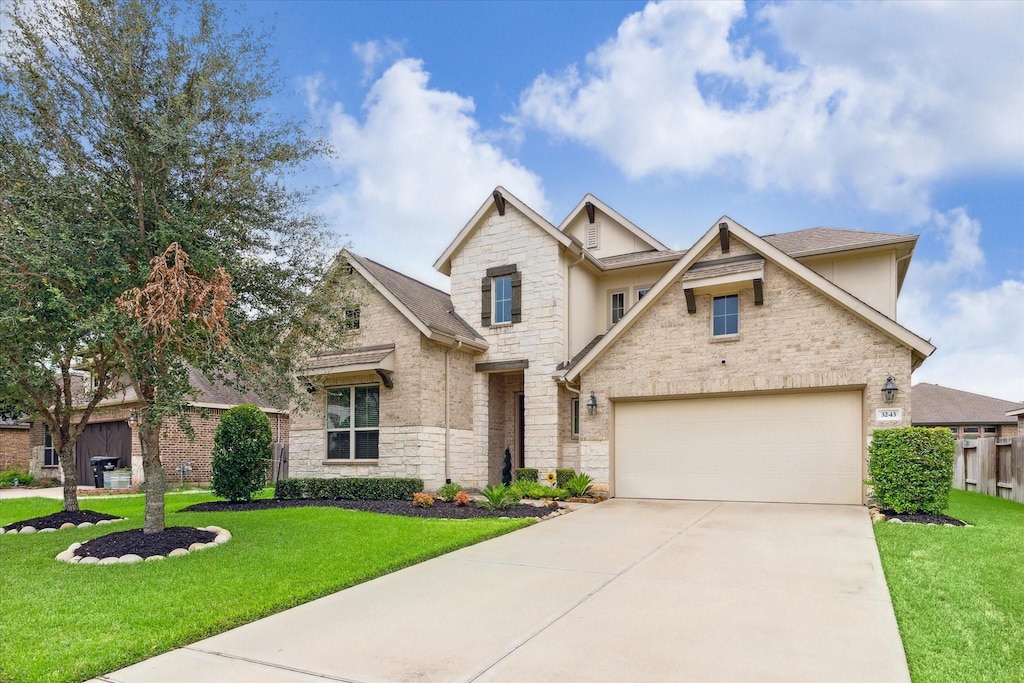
(155, 113)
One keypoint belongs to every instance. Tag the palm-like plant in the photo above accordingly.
(579, 486)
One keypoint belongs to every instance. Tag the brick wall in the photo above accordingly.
(798, 339)
(14, 449)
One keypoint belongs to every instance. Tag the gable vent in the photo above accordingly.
(592, 235)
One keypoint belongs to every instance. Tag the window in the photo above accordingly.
(574, 416)
(725, 317)
(351, 318)
(502, 299)
(618, 306)
(990, 430)
(952, 429)
(970, 432)
(353, 418)
(641, 292)
(49, 452)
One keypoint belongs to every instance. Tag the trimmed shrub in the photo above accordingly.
(562, 477)
(423, 500)
(911, 469)
(462, 499)
(526, 474)
(242, 449)
(8, 477)
(367, 488)
(535, 490)
(448, 491)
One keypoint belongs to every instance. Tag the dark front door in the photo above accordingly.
(520, 430)
(112, 439)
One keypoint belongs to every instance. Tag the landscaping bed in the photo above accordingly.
(134, 542)
(440, 509)
(922, 518)
(57, 519)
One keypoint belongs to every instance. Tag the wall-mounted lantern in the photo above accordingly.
(592, 404)
(889, 390)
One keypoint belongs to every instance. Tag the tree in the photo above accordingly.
(154, 113)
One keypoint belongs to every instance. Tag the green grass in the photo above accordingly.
(63, 622)
(959, 592)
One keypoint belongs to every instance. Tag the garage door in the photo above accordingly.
(800, 448)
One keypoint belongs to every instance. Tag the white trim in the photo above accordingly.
(727, 335)
(444, 262)
(614, 215)
(611, 307)
(863, 311)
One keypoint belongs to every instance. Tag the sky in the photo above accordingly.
(890, 117)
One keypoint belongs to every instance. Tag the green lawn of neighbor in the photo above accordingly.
(65, 622)
(959, 592)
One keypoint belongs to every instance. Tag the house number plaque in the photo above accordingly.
(889, 414)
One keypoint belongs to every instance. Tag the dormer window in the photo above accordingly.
(725, 316)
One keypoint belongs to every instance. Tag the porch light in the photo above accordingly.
(592, 404)
(889, 390)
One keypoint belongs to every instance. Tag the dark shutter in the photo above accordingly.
(517, 297)
(485, 302)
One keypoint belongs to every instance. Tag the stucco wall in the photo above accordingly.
(870, 277)
(798, 339)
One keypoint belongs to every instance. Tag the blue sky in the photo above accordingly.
(895, 117)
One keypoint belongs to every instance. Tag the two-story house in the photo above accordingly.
(742, 368)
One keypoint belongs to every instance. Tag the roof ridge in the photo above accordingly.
(963, 391)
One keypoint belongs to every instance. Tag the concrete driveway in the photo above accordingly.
(627, 590)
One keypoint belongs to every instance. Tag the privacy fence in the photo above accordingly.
(991, 466)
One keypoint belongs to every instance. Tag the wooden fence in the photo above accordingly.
(991, 466)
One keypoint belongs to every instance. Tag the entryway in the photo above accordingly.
(506, 416)
(112, 439)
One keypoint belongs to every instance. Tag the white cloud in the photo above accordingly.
(979, 331)
(374, 53)
(415, 165)
(880, 101)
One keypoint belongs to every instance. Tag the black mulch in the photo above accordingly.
(404, 508)
(134, 542)
(57, 518)
(923, 518)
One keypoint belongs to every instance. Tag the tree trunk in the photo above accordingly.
(155, 484)
(70, 471)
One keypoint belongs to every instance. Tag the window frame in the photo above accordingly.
(726, 315)
(352, 429)
(990, 429)
(640, 291)
(574, 417)
(494, 299)
(611, 305)
(350, 318)
(50, 456)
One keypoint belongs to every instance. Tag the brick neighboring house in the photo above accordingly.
(1018, 414)
(14, 445)
(742, 368)
(969, 416)
(111, 431)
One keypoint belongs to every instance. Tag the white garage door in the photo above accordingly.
(799, 448)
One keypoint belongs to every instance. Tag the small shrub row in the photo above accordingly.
(535, 490)
(911, 468)
(562, 477)
(367, 488)
(8, 477)
(526, 474)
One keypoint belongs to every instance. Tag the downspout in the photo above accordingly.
(447, 441)
(568, 305)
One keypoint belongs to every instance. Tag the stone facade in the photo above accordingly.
(14, 449)
(797, 340)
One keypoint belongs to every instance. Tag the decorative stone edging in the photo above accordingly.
(62, 527)
(222, 537)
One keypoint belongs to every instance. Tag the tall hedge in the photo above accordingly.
(242, 449)
(911, 468)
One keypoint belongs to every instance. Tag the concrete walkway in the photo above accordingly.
(21, 492)
(621, 591)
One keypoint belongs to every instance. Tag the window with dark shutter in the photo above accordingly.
(517, 297)
(485, 302)
(501, 296)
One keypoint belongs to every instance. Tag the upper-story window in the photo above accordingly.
(641, 292)
(618, 306)
(501, 296)
(725, 315)
(351, 321)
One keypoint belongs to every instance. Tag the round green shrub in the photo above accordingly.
(911, 469)
(241, 453)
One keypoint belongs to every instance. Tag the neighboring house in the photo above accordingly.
(13, 445)
(969, 416)
(1018, 413)
(111, 431)
(742, 368)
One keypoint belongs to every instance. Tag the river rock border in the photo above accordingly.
(62, 527)
(222, 537)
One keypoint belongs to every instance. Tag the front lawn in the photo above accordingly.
(65, 622)
(959, 592)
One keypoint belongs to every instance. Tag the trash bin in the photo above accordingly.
(101, 464)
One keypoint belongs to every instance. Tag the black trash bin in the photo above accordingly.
(101, 464)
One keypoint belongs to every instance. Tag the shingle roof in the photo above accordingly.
(937, 405)
(823, 240)
(357, 356)
(432, 306)
(639, 258)
(725, 266)
(582, 352)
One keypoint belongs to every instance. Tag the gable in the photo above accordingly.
(605, 232)
(740, 242)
